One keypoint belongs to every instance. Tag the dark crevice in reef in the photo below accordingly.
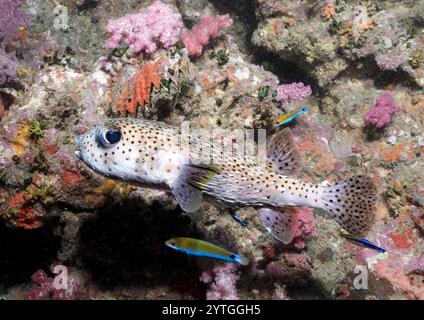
(243, 12)
(382, 78)
(372, 133)
(88, 5)
(125, 245)
(285, 70)
(309, 291)
(22, 252)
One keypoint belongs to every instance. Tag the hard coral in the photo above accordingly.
(140, 95)
(200, 35)
(381, 113)
(390, 61)
(293, 91)
(403, 263)
(222, 282)
(157, 26)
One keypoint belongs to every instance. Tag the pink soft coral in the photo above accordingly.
(157, 25)
(306, 227)
(380, 114)
(293, 91)
(200, 35)
(222, 282)
(44, 287)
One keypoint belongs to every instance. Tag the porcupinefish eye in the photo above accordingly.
(107, 138)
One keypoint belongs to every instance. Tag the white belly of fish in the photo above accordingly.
(166, 167)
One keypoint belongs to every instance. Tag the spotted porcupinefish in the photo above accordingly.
(149, 154)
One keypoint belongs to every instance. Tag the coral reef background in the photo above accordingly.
(68, 65)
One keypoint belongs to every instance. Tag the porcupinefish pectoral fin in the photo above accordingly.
(188, 198)
(283, 153)
(281, 223)
(188, 188)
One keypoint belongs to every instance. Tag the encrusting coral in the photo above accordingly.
(137, 92)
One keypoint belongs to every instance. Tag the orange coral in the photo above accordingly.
(140, 95)
(21, 213)
(366, 25)
(329, 10)
(403, 150)
(290, 21)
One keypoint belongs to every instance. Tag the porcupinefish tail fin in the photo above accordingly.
(188, 188)
(352, 204)
(281, 223)
(283, 153)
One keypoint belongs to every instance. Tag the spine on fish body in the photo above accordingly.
(263, 189)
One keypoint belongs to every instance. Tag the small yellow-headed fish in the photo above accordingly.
(148, 153)
(204, 249)
(361, 242)
(290, 116)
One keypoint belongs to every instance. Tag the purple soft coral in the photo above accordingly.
(11, 19)
(144, 31)
(381, 113)
(200, 35)
(293, 91)
(8, 66)
(222, 282)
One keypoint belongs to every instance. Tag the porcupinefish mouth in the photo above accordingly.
(78, 154)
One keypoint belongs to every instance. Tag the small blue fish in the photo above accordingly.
(362, 242)
(204, 249)
(238, 219)
(290, 116)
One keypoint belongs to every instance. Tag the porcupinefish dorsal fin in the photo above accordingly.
(192, 180)
(283, 153)
(281, 223)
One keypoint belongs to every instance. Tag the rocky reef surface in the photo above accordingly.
(68, 65)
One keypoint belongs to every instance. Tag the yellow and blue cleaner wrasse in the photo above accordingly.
(361, 242)
(290, 116)
(201, 248)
